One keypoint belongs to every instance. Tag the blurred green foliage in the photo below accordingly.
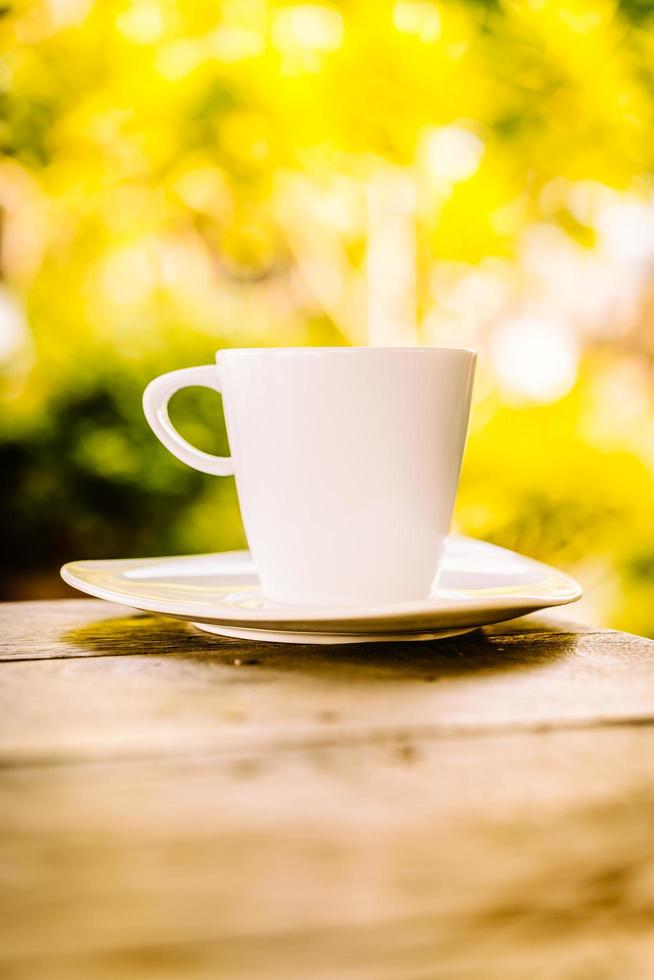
(180, 177)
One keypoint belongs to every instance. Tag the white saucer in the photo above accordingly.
(479, 584)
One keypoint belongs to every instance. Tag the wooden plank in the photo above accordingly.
(46, 630)
(479, 807)
(186, 692)
(506, 857)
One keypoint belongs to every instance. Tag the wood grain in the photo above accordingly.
(46, 630)
(175, 806)
(159, 687)
(511, 856)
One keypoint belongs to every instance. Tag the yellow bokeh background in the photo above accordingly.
(180, 177)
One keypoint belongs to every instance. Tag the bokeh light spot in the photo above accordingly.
(451, 153)
(535, 358)
(418, 17)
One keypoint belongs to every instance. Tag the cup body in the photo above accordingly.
(347, 463)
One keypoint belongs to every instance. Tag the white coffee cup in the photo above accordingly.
(346, 461)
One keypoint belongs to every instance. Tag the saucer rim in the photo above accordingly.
(563, 589)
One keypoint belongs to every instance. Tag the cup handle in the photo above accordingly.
(155, 405)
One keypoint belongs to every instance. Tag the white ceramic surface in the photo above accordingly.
(479, 584)
(346, 462)
(328, 639)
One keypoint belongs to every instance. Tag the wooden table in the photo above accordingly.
(176, 805)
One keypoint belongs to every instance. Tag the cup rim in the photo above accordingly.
(272, 351)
